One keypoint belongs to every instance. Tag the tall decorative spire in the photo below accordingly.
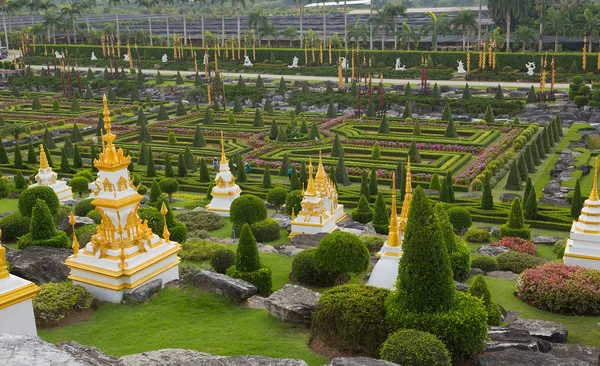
(43, 159)
(223, 157)
(408, 193)
(310, 186)
(164, 211)
(108, 137)
(394, 233)
(75, 245)
(110, 158)
(321, 175)
(594, 193)
(3, 269)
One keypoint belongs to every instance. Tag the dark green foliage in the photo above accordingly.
(282, 135)
(529, 160)
(266, 230)
(79, 185)
(304, 127)
(413, 153)
(150, 167)
(485, 263)
(331, 112)
(539, 142)
(48, 141)
(17, 158)
(384, 127)
(522, 167)
(68, 147)
(77, 161)
(447, 114)
(534, 153)
(332, 173)
(277, 197)
(371, 110)
(134, 96)
(531, 96)
(42, 230)
(341, 174)
(259, 82)
(528, 188)
(65, 167)
(489, 115)
(487, 199)
(315, 134)
(182, 170)
(222, 259)
(208, 117)
(36, 105)
(376, 152)
(145, 135)
(178, 79)
(341, 253)
(112, 97)
(247, 264)
(13, 226)
(75, 107)
(329, 87)
(241, 173)
(99, 127)
(294, 180)
(305, 89)
(293, 202)
(513, 183)
(451, 130)
(159, 78)
(299, 109)
(546, 141)
(460, 218)
(3, 154)
(198, 138)
(282, 86)
(162, 113)
(414, 348)
(434, 184)
(268, 107)
(204, 173)
(416, 128)
(499, 94)
(143, 157)
(90, 75)
(467, 93)
(169, 167)
(266, 182)
(237, 106)
(180, 109)
(169, 186)
(285, 165)
(515, 225)
(306, 272)
(303, 176)
(407, 113)
(189, 159)
(20, 182)
(363, 213)
(373, 188)
(337, 150)
(401, 179)
(480, 290)
(76, 134)
(381, 219)
(517, 262)
(530, 206)
(258, 120)
(408, 92)
(364, 184)
(155, 192)
(247, 209)
(576, 201)
(436, 92)
(274, 130)
(93, 156)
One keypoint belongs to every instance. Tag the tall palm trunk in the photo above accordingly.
(31, 15)
(117, 18)
(184, 23)
(150, 26)
(371, 25)
(395, 33)
(54, 34)
(508, 19)
(345, 25)
(5, 32)
(74, 32)
(222, 25)
(556, 42)
(541, 34)
(464, 40)
(382, 39)
(239, 32)
(202, 25)
(167, 21)
(324, 23)
(590, 43)
(479, 27)
(68, 36)
(21, 17)
(301, 25)
(87, 20)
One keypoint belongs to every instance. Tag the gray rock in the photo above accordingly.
(293, 304)
(505, 275)
(432, 192)
(263, 248)
(360, 361)
(477, 271)
(356, 228)
(238, 290)
(288, 250)
(144, 292)
(285, 222)
(256, 302)
(90, 356)
(472, 195)
(544, 239)
(501, 338)
(184, 357)
(511, 357)
(461, 286)
(79, 222)
(40, 264)
(577, 351)
(307, 240)
(492, 250)
(554, 332)
(509, 197)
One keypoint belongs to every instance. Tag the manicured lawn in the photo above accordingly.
(582, 329)
(190, 319)
(9, 205)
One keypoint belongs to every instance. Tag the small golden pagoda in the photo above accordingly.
(225, 189)
(124, 253)
(47, 178)
(583, 246)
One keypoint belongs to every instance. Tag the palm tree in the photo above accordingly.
(239, 4)
(588, 25)
(165, 3)
(394, 11)
(198, 92)
(542, 6)
(301, 21)
(479, 26)
(335, 40)
(202, 4)
(382, 21)
(556, 24)
(290, 32)
(267, 29)
(87, 5)
(50, 22)
(148, 4)
(524, 35)
(15, 129)
(408, 34)
(256, 19)
(508, 9)
(16, 7)
(184, 21)
(345, 23)
(370, 25)
(357, 32)
(222, 11)
(310, 37)
(115, 3)
(211, 39)
(33, 6)
(436, 26)
(68, 12)
(465, 21)
(4, 5)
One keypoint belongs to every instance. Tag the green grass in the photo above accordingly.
(582, 329)
(9, 205)
(190, 319)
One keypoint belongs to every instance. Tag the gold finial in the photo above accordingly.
(408, 193)
(164, 211)
(293, 214)
(310, 187)
(3, 269)
(321, 176)
(75, 245)
(43, 159)
(107, 125)
(394, 232)
(594, 193)
(223, 157)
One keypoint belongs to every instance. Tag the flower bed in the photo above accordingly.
(518, 245)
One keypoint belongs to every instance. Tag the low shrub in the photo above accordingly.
(62, 213)
(260, 278)
(517, 262)
(563, 289)
(200, 220)
(55, 301)
(558, 248)
(247, 209)
(178, 232)
(305, 271)
(95, 215)
(351, 319)
(59, 240)
(14, 226)
(222, 259)
(518, 244)
(460, 218)
(485, 263)
(84, 234)
(29, 197)
(478, 236)
(415, 348)
(342, 253)
(460, 261)
(198, 250)
(83, 207)
(266, 230)
(372, 241)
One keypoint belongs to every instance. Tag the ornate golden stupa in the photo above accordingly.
(225, 189)
(47, 178)
(124, 253)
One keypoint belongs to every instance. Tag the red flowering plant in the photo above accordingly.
(518, 244)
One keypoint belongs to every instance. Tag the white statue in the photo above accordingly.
(94, 58)
(57, 54)
(294, 63)
(247, 62)
(461, 67)
(165, 58)
(399, 66)
(530, 67)
(344, 63)
(126, 57)
(205, 59)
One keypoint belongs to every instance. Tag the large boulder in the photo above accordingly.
(360, 361)
(350, 226)
(288, 250)
(285, 222)
(505, 275)
(80, 221)
(307, 240)
(183, 357)
(501, 338)
(577, 351)
(554, 332)
(509, 197)
(544, 239)
(90, 356)
(293, 304)
(144, 292)
(511, 357)
(492, 250)
(238, 290)
(40, 264)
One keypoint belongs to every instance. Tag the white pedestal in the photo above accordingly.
(385, 273)
(16, 309)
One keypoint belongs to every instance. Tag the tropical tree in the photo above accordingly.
(51, 21)
(15, 130)
(335, 40)
(68, 12)
(301, 21)
(202, 3)
(211, 39)
(556, 24)
(436, 26)
(267, 29)
(508, 9)
(479, 25)
(197, 93)
(165, 3)
(16, 7)
(256, 19)
(370, 25)
(588, 24)
(115, 4)
(383, 22)
(86, 6)
(408, 34)
(357, 32)
(464, 21)
(542, 7)
(184, 21)
(394, 11)
(148, 4)
(4, 5)
(290, 32)
(33, 6)
(222, 11)
(239, 4)
(524, 35)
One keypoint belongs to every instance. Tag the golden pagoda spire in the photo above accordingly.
(321, 175)
(223, 157)
(75, 245)
(164, 211)
(110, 158)
(394, 233)
(310, 186)
(408, 193)
(3, 269)
(107, 136)
(43, 159)
(594, 193)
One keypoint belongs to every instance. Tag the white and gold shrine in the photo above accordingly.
(16, 309)
(320, 208)
(385, 272)
(48, 178)
(225, 189)
(583, 246)
(124, 253)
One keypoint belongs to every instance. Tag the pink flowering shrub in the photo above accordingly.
(561, 289)
(518, 245)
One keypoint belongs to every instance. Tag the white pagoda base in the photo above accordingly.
(385, 272)
(16, 309)
(314, 224)
(62, 190)
(222, 199)
(107, 281)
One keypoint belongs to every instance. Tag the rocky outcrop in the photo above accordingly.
(502, 338)
(307, 240)
(79, 222)
(512, 357)
(360, 361)
(350, 226)
(285, 222)
(144, 292)
(183, 357)
(292, 304)
(576, 351)
(509, 197)
(238, 290)
(544, 239)
(562, 172)
(288, 250)
(90, 356)
(505, 275)
(40, 264)
(492, 250)
(554, 332)
(459, 286)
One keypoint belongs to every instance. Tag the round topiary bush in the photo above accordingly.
(85, 233)
(558, 248)
(342, 253)
(415, 348)
(518, 244)
(13, 226)
(292, 201)
(517, 262)
(198, 250)
(460, 218)
(460, 261)
(222, 259)
(372, 241)
(29, 197)
(55, 301)
(562, 289)
(247, 209)
(305, 271)
(485, 263)
(479, 289)
(266, 230)
(95, 215)
(478, 236)
(84, 207)
(200, 220)
(351, 319)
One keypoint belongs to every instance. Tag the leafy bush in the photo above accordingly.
(517, 262)
(261, 278)
(460, 261)
(222, 259)
(305, 271)
(414, 348)
(85, 233)
(363, 213)
(515, 226)
(341, 253)
(13, 226)
(178, 232)
(55, 301)
(247, 264)
(266, 230)
(84, 207)
(42, 230)
(480, 289)
(350, 318)
(95, 215)
(478, 236)
(372, 241)
(198, 250)
(292, 201)
(200, 220)
(563, 289)
(460, 218)
(558, 248)
(485, 263)
(29, 197)
(247, 209)
(518, 244)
